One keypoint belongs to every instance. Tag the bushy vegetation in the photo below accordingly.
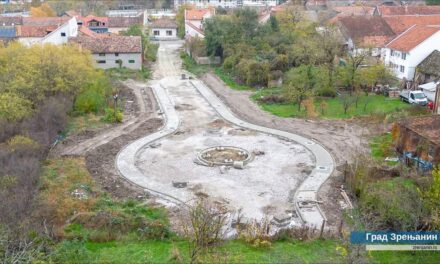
(191, 65)
(288, 49)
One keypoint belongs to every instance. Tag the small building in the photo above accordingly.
(419, 136)
(405, 52)
(429, 68)
(94, 23)
(365, 32)
(113, 51)
(194, 20)
(118, 24)
(41, 30)
(163, 29)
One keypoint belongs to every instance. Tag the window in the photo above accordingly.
(169, 33)
(403, 56)
(392, 53)
(101, 54)
(101, 61)
(156, 33)
(130, 61)
(63, 34)
(402, 68)
(116, 54)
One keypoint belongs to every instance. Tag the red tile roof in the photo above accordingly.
(408, 10)
(89, 18)
(125, 22)
(109, 44)
(427, 127)
(11, 21)
(401, 23)
(354, 10)
(412, 38)
(34, 31)
(85, 31)
(45, 21)
(366, 30)
(196, 14)
(163, 23)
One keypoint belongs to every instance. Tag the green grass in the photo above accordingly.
(191, 65)
(125, 73)
(227, 79)
(377, 104)
(382, 147)
(86, 122)
(155, 251)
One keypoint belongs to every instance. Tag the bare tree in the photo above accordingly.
(203, 225)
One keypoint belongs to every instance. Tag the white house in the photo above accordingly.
(163, 29)
(405, 52)
(194, 20)
(44, 30)
(113, 51)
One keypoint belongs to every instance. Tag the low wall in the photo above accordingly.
(207, 60)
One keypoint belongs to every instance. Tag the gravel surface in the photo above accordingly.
(342, 138)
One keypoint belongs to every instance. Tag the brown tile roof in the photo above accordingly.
(401, 23)
(45, 21)
(85, 31)
(196, 14)
(163, 23)
(412, 37)
(110, 44)
(427, 127)
(354, 10)
(34, 31)
(366, 30)
(11, 21)
(408, 10)
(125, 22)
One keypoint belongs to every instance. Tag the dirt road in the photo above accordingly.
(147, 109)
(340, 137)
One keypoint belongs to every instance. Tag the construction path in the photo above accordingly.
(146, 111)
(305, 199)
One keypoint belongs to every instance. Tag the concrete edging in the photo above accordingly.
(308, 190)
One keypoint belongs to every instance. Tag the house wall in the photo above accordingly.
(110, 60)
(191, 32)
(413, 58)
(163, 33)
(70, 29)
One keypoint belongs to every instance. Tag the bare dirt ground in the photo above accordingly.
(101, 162)
(100, 147)
(341, 138)
(137, 110)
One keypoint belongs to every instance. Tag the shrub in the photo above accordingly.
(392, 204)
(89, 101)
(111, 117)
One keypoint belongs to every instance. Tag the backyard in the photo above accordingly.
(329, 107)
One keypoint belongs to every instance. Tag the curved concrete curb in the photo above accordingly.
(125, 161)
(306, 195)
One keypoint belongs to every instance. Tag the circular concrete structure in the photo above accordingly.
(224, 156)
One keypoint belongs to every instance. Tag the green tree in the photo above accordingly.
(299, 84)
(431, 197)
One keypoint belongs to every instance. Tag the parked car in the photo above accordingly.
(413, 97)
